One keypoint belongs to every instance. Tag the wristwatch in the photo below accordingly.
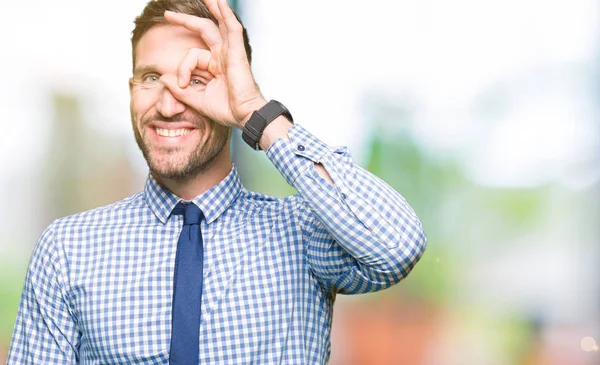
(260, 119)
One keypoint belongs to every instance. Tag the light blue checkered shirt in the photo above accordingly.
(99, 285)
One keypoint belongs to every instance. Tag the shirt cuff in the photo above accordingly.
(292, 157)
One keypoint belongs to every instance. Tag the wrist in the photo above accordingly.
(253, 106)
(278, 128)
(260, 119)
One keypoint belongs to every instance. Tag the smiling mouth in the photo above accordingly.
(172, 132)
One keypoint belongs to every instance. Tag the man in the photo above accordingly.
(195, 269)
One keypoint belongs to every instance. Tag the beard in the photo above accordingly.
(197, 161)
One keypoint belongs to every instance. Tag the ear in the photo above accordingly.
(130, 86)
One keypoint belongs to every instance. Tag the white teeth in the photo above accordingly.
(171, 132)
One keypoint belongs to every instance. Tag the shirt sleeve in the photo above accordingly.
(362, 235)
(45, 331)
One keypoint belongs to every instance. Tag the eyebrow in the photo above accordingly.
(140, 70)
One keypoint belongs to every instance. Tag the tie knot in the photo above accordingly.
(191, 213)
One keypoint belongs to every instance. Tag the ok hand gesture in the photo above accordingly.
(230, 94)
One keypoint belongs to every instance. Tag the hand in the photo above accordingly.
(230, 94)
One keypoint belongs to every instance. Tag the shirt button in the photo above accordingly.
(301, 147)
(343, 196)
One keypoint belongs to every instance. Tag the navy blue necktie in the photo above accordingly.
(187, 288)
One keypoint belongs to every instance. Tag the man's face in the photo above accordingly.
(177, 142)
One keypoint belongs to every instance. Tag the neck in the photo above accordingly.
(213, 174)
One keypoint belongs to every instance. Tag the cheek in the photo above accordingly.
(132, 111)
(140, 104)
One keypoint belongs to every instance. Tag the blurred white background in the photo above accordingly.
(505, 91)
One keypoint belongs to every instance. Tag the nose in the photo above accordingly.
(167, 105)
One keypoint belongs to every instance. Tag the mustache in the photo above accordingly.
(176, 118)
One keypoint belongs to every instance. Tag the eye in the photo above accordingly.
(150, 79)
(197, 82)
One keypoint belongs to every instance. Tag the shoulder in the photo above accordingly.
(110, 214)
(254, 205)
(75, 228)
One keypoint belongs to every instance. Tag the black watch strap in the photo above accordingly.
(260, 119)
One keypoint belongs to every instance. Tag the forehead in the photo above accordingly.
(165, 46)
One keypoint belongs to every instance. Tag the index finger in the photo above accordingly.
(205, 27)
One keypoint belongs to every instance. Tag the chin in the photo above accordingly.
(181, 163)
(167, 166)
(180, 169)
(170, 173)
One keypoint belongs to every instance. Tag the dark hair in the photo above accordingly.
(153, 14)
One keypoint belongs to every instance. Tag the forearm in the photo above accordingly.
(370, 221)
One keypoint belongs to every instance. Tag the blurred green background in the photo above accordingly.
(483, 114)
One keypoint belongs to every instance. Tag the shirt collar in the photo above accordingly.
(212, 202)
